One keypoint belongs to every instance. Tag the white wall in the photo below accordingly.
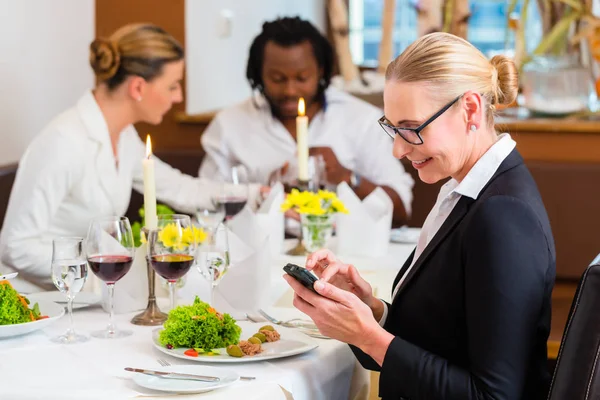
(216, 64)
(44, 66)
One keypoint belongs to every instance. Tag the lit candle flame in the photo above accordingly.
(301, 107)
(148, 147)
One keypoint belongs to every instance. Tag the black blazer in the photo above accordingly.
(472, 318)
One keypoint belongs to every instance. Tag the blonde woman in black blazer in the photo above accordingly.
(470, 314)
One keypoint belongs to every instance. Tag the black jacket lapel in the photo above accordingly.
(514, 159)
(458, 213)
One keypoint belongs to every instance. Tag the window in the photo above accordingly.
(486, 27)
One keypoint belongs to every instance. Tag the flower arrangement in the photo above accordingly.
(309, 203)
(174, 237)
(169, 235)
(316, 215)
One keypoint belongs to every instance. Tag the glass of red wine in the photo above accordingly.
(110, 249)
(234, 195)
(171, 248)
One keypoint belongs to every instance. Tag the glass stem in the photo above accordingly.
(212, 295)
(172, 294)
(71, 331)
(111, 294)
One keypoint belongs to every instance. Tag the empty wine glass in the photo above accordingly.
(213, 258)
(210, 218)
(110, 252)
(234, 195)
(171, 248)
(69, 273)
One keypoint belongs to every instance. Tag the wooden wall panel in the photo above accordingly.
(170, 15)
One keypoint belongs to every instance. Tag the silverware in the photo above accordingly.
(165, 363)
(8, 276)
(289, 323)
(306, 327)
(175, 375)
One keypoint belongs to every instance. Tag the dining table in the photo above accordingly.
(34, 367)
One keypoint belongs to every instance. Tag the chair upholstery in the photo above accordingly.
(7, 178)
(577, 373)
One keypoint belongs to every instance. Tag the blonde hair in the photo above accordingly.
(134, 49)
(451, 66)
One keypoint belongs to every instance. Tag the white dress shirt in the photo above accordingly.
(248, 134)
(451, 192)
(68, 176)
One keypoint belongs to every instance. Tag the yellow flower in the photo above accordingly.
(323, 202)
(171, 236)
(193, 234)
(326, 195)
(199, 234)
(338, 206)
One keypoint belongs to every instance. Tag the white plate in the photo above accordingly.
(82, 299)
(52, 310)
(183, 385)
(291, 343)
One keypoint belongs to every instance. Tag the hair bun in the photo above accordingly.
(104, 58)
(505, 80)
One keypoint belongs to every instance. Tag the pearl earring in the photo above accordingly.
(139, 99)
(473, 128)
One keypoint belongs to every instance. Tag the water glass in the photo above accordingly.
(69, 273)
(213, 258)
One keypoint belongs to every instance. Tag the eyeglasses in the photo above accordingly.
(412, 135)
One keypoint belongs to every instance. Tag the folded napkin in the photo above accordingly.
(271, 220)
(365, 230)
(246, 285)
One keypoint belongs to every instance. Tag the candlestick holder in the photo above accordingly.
(152, 316)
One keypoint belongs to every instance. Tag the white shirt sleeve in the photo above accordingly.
(217, 159)
(385, 314)
(180, 191)
(376, 162)
(46, 172)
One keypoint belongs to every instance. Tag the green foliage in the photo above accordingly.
(136, 227)
(12, 309)
(199, 326)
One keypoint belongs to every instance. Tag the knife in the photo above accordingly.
(174, 375)
(8, 276)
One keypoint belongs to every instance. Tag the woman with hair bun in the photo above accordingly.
(470, 310)
(86, 161)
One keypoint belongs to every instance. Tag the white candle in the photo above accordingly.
(302, 141)
(149, 188)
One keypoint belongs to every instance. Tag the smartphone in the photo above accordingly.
(302, 275)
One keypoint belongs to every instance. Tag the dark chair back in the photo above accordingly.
(577, 373)
(7, 178)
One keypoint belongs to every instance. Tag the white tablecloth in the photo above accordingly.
(33, 367)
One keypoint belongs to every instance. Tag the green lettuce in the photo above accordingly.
(14, 309)
(199, 326)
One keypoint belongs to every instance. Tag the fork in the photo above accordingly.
(289, 323)
(306, 327)
(165, 363)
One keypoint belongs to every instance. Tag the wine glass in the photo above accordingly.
(234, 195)
(210, 218)
(171, 248)
(213, 258)
(110, 252)
(69, 273)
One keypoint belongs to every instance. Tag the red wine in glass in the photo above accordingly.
(232, 205)
(110, 268)
(172, 266)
